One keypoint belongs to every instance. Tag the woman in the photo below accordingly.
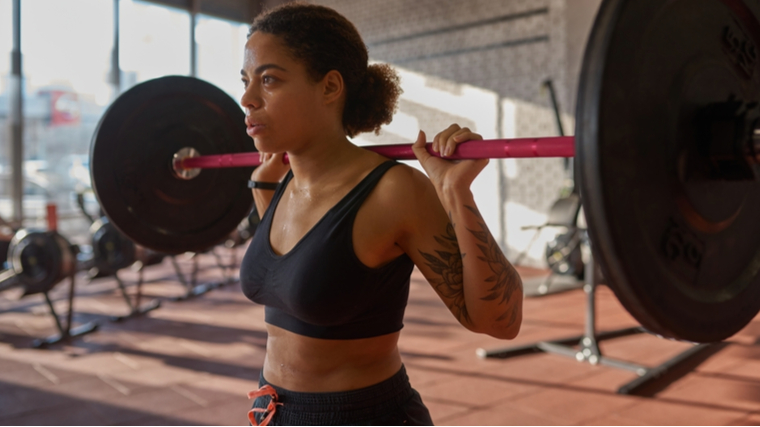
(343, 228)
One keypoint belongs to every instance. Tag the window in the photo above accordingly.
(220, 53)
(66, 48)
(6, 46)
(154, 41)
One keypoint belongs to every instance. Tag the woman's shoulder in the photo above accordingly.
(404, 174)
(401, 197)
(403, 184)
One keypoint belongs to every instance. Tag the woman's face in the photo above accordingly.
(283, 105)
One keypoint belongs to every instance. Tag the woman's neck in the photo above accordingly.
(322, 159)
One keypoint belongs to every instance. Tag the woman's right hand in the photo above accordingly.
(272, 168)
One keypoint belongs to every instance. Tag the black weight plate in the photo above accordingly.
(681, 254)
(131, 159)
(112, 250)
(37, 260)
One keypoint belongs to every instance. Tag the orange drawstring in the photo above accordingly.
(271, 408)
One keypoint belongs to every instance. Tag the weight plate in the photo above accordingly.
(131, 164)
(36, 258)
(680, 251)
(112, 250)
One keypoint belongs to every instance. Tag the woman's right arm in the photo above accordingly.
(272, 169)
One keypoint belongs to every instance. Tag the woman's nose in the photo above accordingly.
(250, 100)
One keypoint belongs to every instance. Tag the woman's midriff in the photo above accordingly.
(303, 364)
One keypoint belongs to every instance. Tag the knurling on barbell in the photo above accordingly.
(666, 143)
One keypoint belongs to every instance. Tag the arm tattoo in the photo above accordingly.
(447, 262)
(505, 278)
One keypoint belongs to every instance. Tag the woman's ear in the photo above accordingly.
(333, 86)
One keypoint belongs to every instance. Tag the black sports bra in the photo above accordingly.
(320, 288)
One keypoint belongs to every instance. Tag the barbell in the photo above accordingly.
(667, 144)
(187, 162)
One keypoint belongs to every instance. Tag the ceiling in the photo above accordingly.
(234, 10)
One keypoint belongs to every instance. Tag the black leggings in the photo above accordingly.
(391, 402)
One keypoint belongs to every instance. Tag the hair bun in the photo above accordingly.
(374, 102)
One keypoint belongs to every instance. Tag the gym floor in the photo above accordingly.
(191, 362)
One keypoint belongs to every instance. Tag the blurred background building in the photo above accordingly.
(485, 64)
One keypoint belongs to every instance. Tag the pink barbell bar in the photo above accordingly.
(559, 146)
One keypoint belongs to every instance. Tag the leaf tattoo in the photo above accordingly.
(506, 281)
(447, 262)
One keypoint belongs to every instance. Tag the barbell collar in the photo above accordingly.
(181, 172)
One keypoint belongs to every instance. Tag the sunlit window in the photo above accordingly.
(154, 41)
(220, 53)
(67, 57)
(66, 47)
(67, 44)
(6, 45)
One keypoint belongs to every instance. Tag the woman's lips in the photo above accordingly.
(254, 129)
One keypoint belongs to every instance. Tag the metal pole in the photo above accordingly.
(549, 84)
(115, 78)
(555, 106)
(502, 183)
(195, 9)
(17, 118)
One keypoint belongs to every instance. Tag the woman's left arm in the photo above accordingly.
(453, 247)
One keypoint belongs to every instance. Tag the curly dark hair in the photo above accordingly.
(325, 40)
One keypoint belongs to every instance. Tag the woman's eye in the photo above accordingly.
(245, 83)
(267, 79)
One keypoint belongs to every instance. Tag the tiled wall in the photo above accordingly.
(501, 51)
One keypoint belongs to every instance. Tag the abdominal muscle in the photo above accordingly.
(303, 364)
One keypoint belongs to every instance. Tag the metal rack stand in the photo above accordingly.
(585, 348)
(65, 333)
(192, 288)
(134, 309)
(228, 276)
